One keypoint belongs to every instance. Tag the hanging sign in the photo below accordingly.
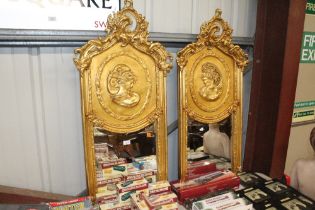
(56, 14)
(310, 7)
(308, 48)
(303, 111)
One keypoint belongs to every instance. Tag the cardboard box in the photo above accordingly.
(215, 181)
(157, 200)
(201, 167)
(140, 174)
(236, 204)
(116, 206)
(218, 199)
(125, 196)
(159, 187)
(110, 163)
(140, 204)
(127, 188)
(132, 185)
(114, 180)
(107, 193)
(84, 203)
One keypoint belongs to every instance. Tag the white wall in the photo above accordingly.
(40, 124)
(41, 145)
(186, 16)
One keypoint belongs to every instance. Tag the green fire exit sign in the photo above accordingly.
(310, 7)
(308, 48)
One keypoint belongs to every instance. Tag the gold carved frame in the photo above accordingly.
(124, 51)
(212, 50)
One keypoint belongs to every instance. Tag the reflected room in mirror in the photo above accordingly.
(127, 154)
(209, 143)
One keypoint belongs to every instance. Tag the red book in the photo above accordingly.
(212, 182)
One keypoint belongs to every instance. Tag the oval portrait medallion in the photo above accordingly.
(123, 86)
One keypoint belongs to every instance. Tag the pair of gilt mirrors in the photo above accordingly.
(123, 94)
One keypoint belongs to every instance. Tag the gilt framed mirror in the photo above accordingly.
(123, 84)
(210, 98)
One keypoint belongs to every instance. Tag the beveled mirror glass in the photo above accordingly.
(123, 79)
(210, 98)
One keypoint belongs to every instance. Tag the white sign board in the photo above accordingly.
(56, 14)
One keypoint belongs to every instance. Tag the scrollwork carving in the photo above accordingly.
(126, 27)
(214, 33)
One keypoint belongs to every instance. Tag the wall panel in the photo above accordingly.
(41, 134)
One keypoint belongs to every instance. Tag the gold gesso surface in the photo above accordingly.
(210, 85)
(123, 79)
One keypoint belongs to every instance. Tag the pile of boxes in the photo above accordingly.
(269, 194)
(118, 181)
(159, 197)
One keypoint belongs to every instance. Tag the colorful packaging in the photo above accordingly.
(217, 199)
(113, 180)
(116, 206)
(83, 203)
(159, 187)
(201, 167)
(125, 196)
(215, 181)
(138, 203)
(157, 200)
(132, 185)
(114, 162)
(107, 193)
(140, 174)
(114, 171)
(127, 188)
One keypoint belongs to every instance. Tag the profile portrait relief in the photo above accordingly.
(212, 80)
(120, 83)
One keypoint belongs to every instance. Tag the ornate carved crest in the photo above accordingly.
(214, 33)
(126, 27)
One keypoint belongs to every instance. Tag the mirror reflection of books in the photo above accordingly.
(128, 145)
